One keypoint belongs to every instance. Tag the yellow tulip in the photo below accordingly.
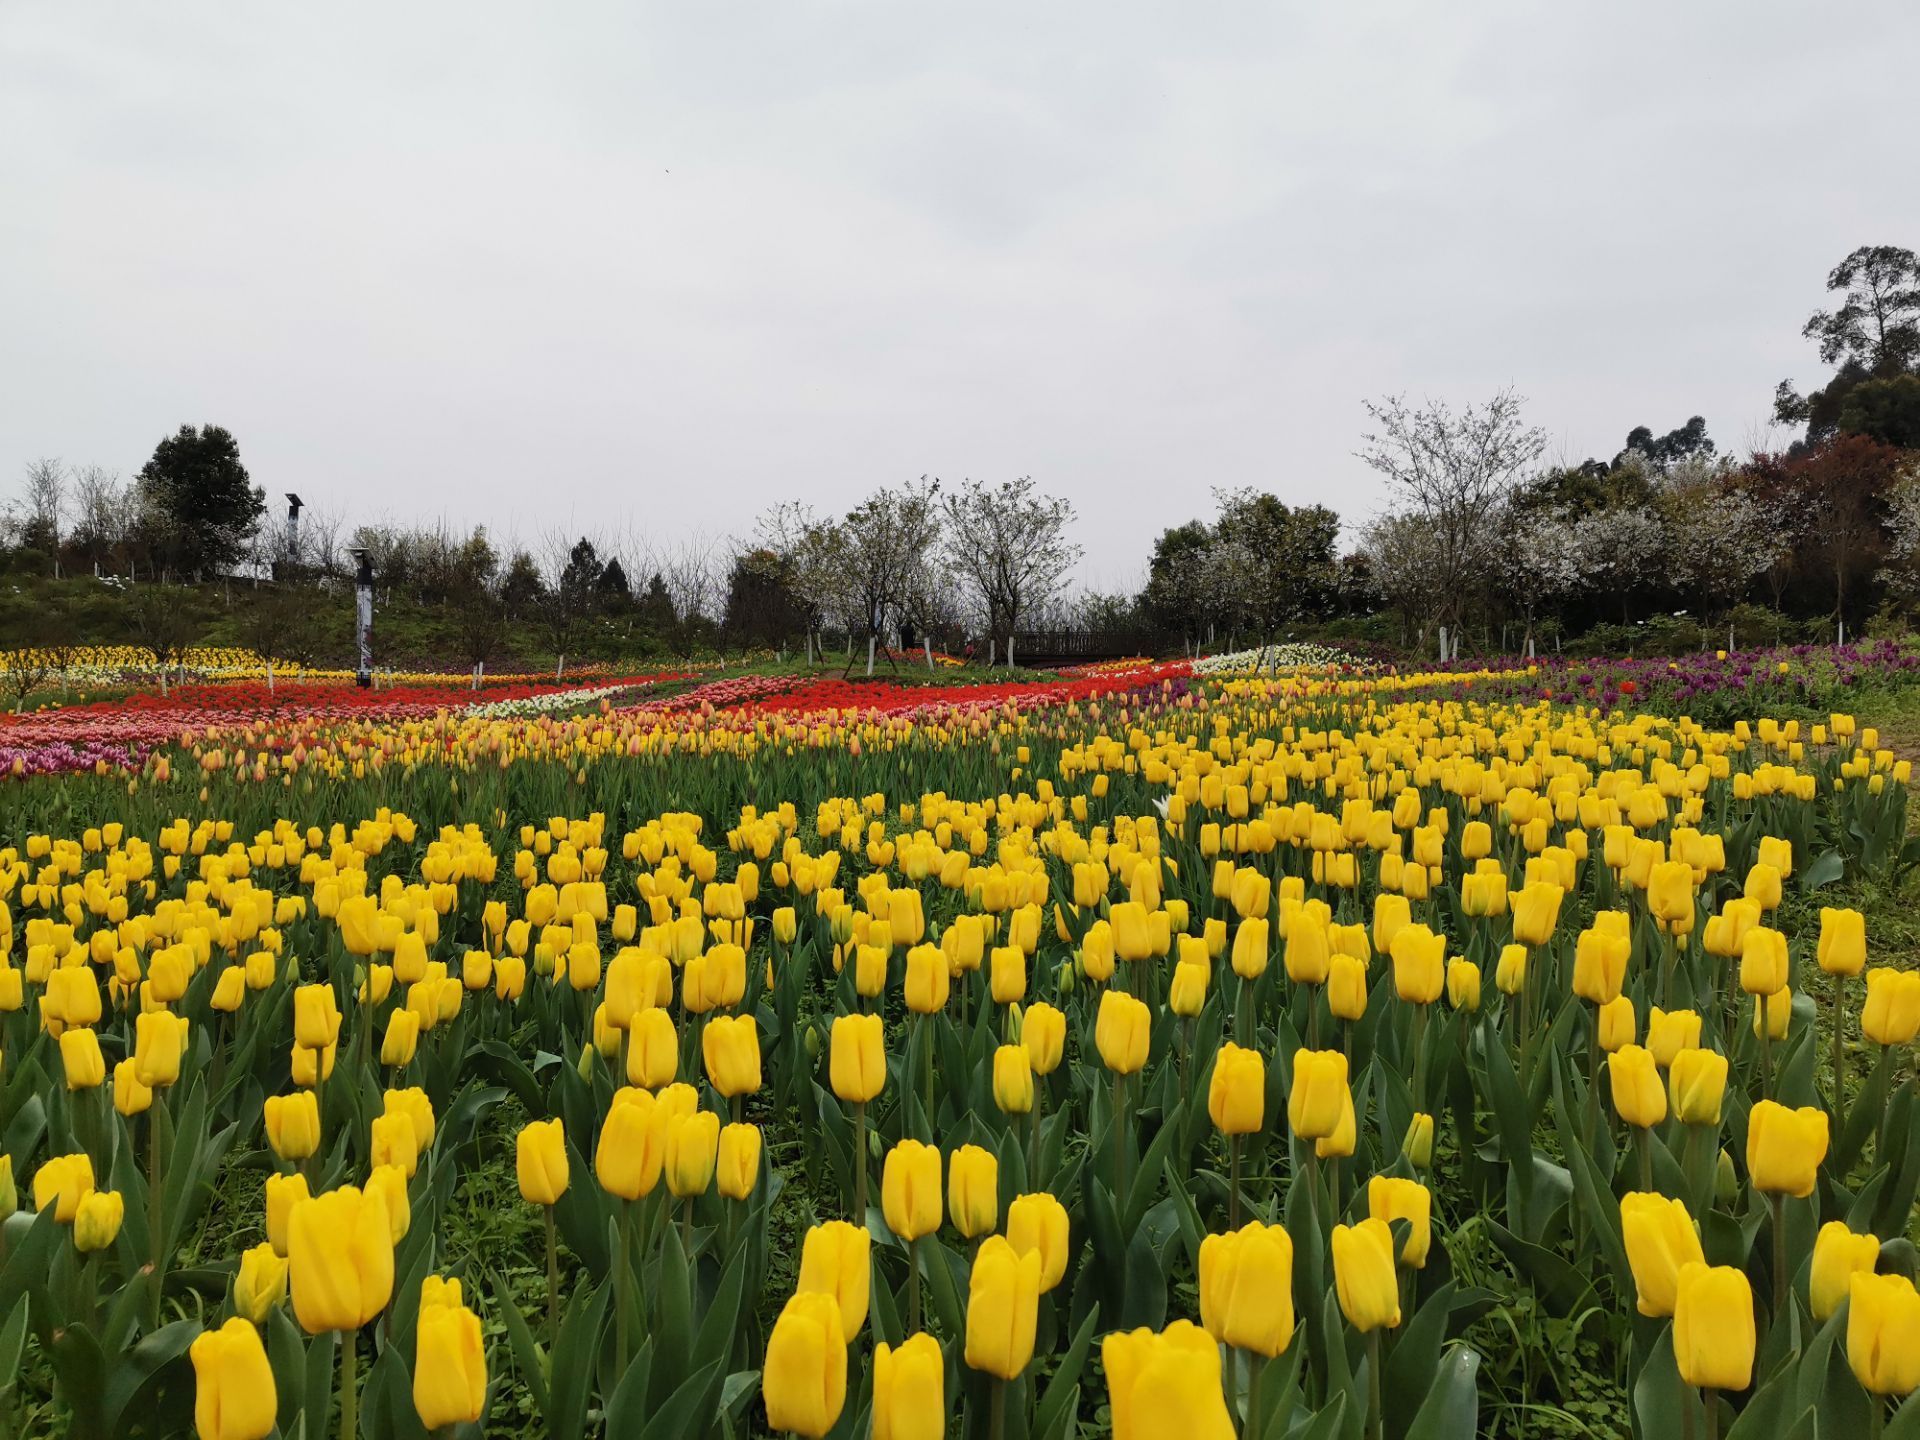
(293, 1125)
(540, 1160)
(1696, 1084)
(234, 1397)
(859, 1058)
(85, 1066)
(632, 1147)
(1671, 1031)
(1638, 1096)
(836, 1260)
(61, 1183)
(1013, 1079)
(731, 1048)
(1713, 1327)
(1616, 1022)
(1246, 1288)
(693, 1150)
(1600, 965)
(737, 1167)
(387, 1187)
(402, 1039)
(261, 1284)
(1318, 1091)
(973, 1190)
(1037, 1225)
(909, 1390)
(1883, 1318)
(1536, 911)
(1892, 1012)
(910, 1189)
(1364, 1276)
(1166, 1384)
(1251, 948)
(1660, 1237)
(1043, 1032)
(1237, 1094)
(927, 980)
(1390, 1198)
(1122, 1030)
(159, 1040)
(1419, 964)
(130, 1097)
(1843, 941)
(1003, 1300)
(1347, 987)
(450, 1366)
(653, 1049)
(394, 1143)
(283, 1193)
(1785, 1147)
(340, 1260)
(804, 1376)
(1763, 962)
(414, 1104)
(96, 1223)
(1838, 1254)
(316, 1017)
(1417, 1145)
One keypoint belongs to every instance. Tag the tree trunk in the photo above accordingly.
(1009, 652)
(869, 654)
(928, 641)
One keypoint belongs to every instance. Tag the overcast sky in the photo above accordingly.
(601, 265)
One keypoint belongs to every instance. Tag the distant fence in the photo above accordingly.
(1065, 647)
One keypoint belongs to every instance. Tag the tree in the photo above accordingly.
(277, 625)
(100, 518)
(611, 591)
(1276, 563)
(1539, 560)
(199, 488)
(44, 507)
(891, 537)
(1873, 335)
(1007, 547)
(1404, 560)
(521, 586)
(164, 625)
(1453, 471)
(761, 608)
(1688, 442)
(656, 607)
(1719, 539)
(814, 553)
(1182, 589)
(1830, 498)
(1886, 410)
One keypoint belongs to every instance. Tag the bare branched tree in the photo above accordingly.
(43, 507)
(891, 539)
(1452, 471)
(1006, 545)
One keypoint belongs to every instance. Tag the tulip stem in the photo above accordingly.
(156, 1199)
(553, 1285)
(1257, 1365)
(997, 1421)
(1778, 1201)
(860, 1163)
(1233, 1191)
(1839, 1005)
(1643, 1143)
(1373, 1383)
(349, 1384)
(1766, 1045)
(623, 1283)
(1119, 1139)
(1712, 1404)
(913, 1286)
(1420, 1057)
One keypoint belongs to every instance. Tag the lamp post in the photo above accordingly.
(363, 618)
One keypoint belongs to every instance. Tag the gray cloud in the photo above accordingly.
(605, 263)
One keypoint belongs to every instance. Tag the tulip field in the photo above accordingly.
(1309, 1050)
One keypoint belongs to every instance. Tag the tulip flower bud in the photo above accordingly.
(130, 1097)
(1065, 977)
(1883, 1314)
(1391, 1198)
(731, 1048)
(1696, 1084)
(1417, 1146)
(1043, 1034)
(693, 1146)
(85, 1066)
(785, 924)
(1713, 1327)
(96, 1222)
(1892, 1012)
(909, 1389)
(1237, 1093)
(1843, 941)
(1013, 1080)
(261, 1283)
(283, 1193)
(859, 1061)
(1319, 1087)
(449, 1367)
(1510, 975)
(1671, 1031)
(1419, 964)
(1187, 993)
(973, 1190)
(1363, 1274)
(1037, 1224)
(9, 1192)
(340, 1260)
(910, 1189)
(1660, 1238)
(804, 1377)
(1785, 1147)
(1122, 1030)
(1155, 1382)
(293, 1125)
(927, 980)
(1003, 1301)
(1638, 1096)
(737, 1168)
(1838, 1254)
(1463, 984)
(234, 1393)
(1246, 1288)
(836, 1260)
(540, 1157)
